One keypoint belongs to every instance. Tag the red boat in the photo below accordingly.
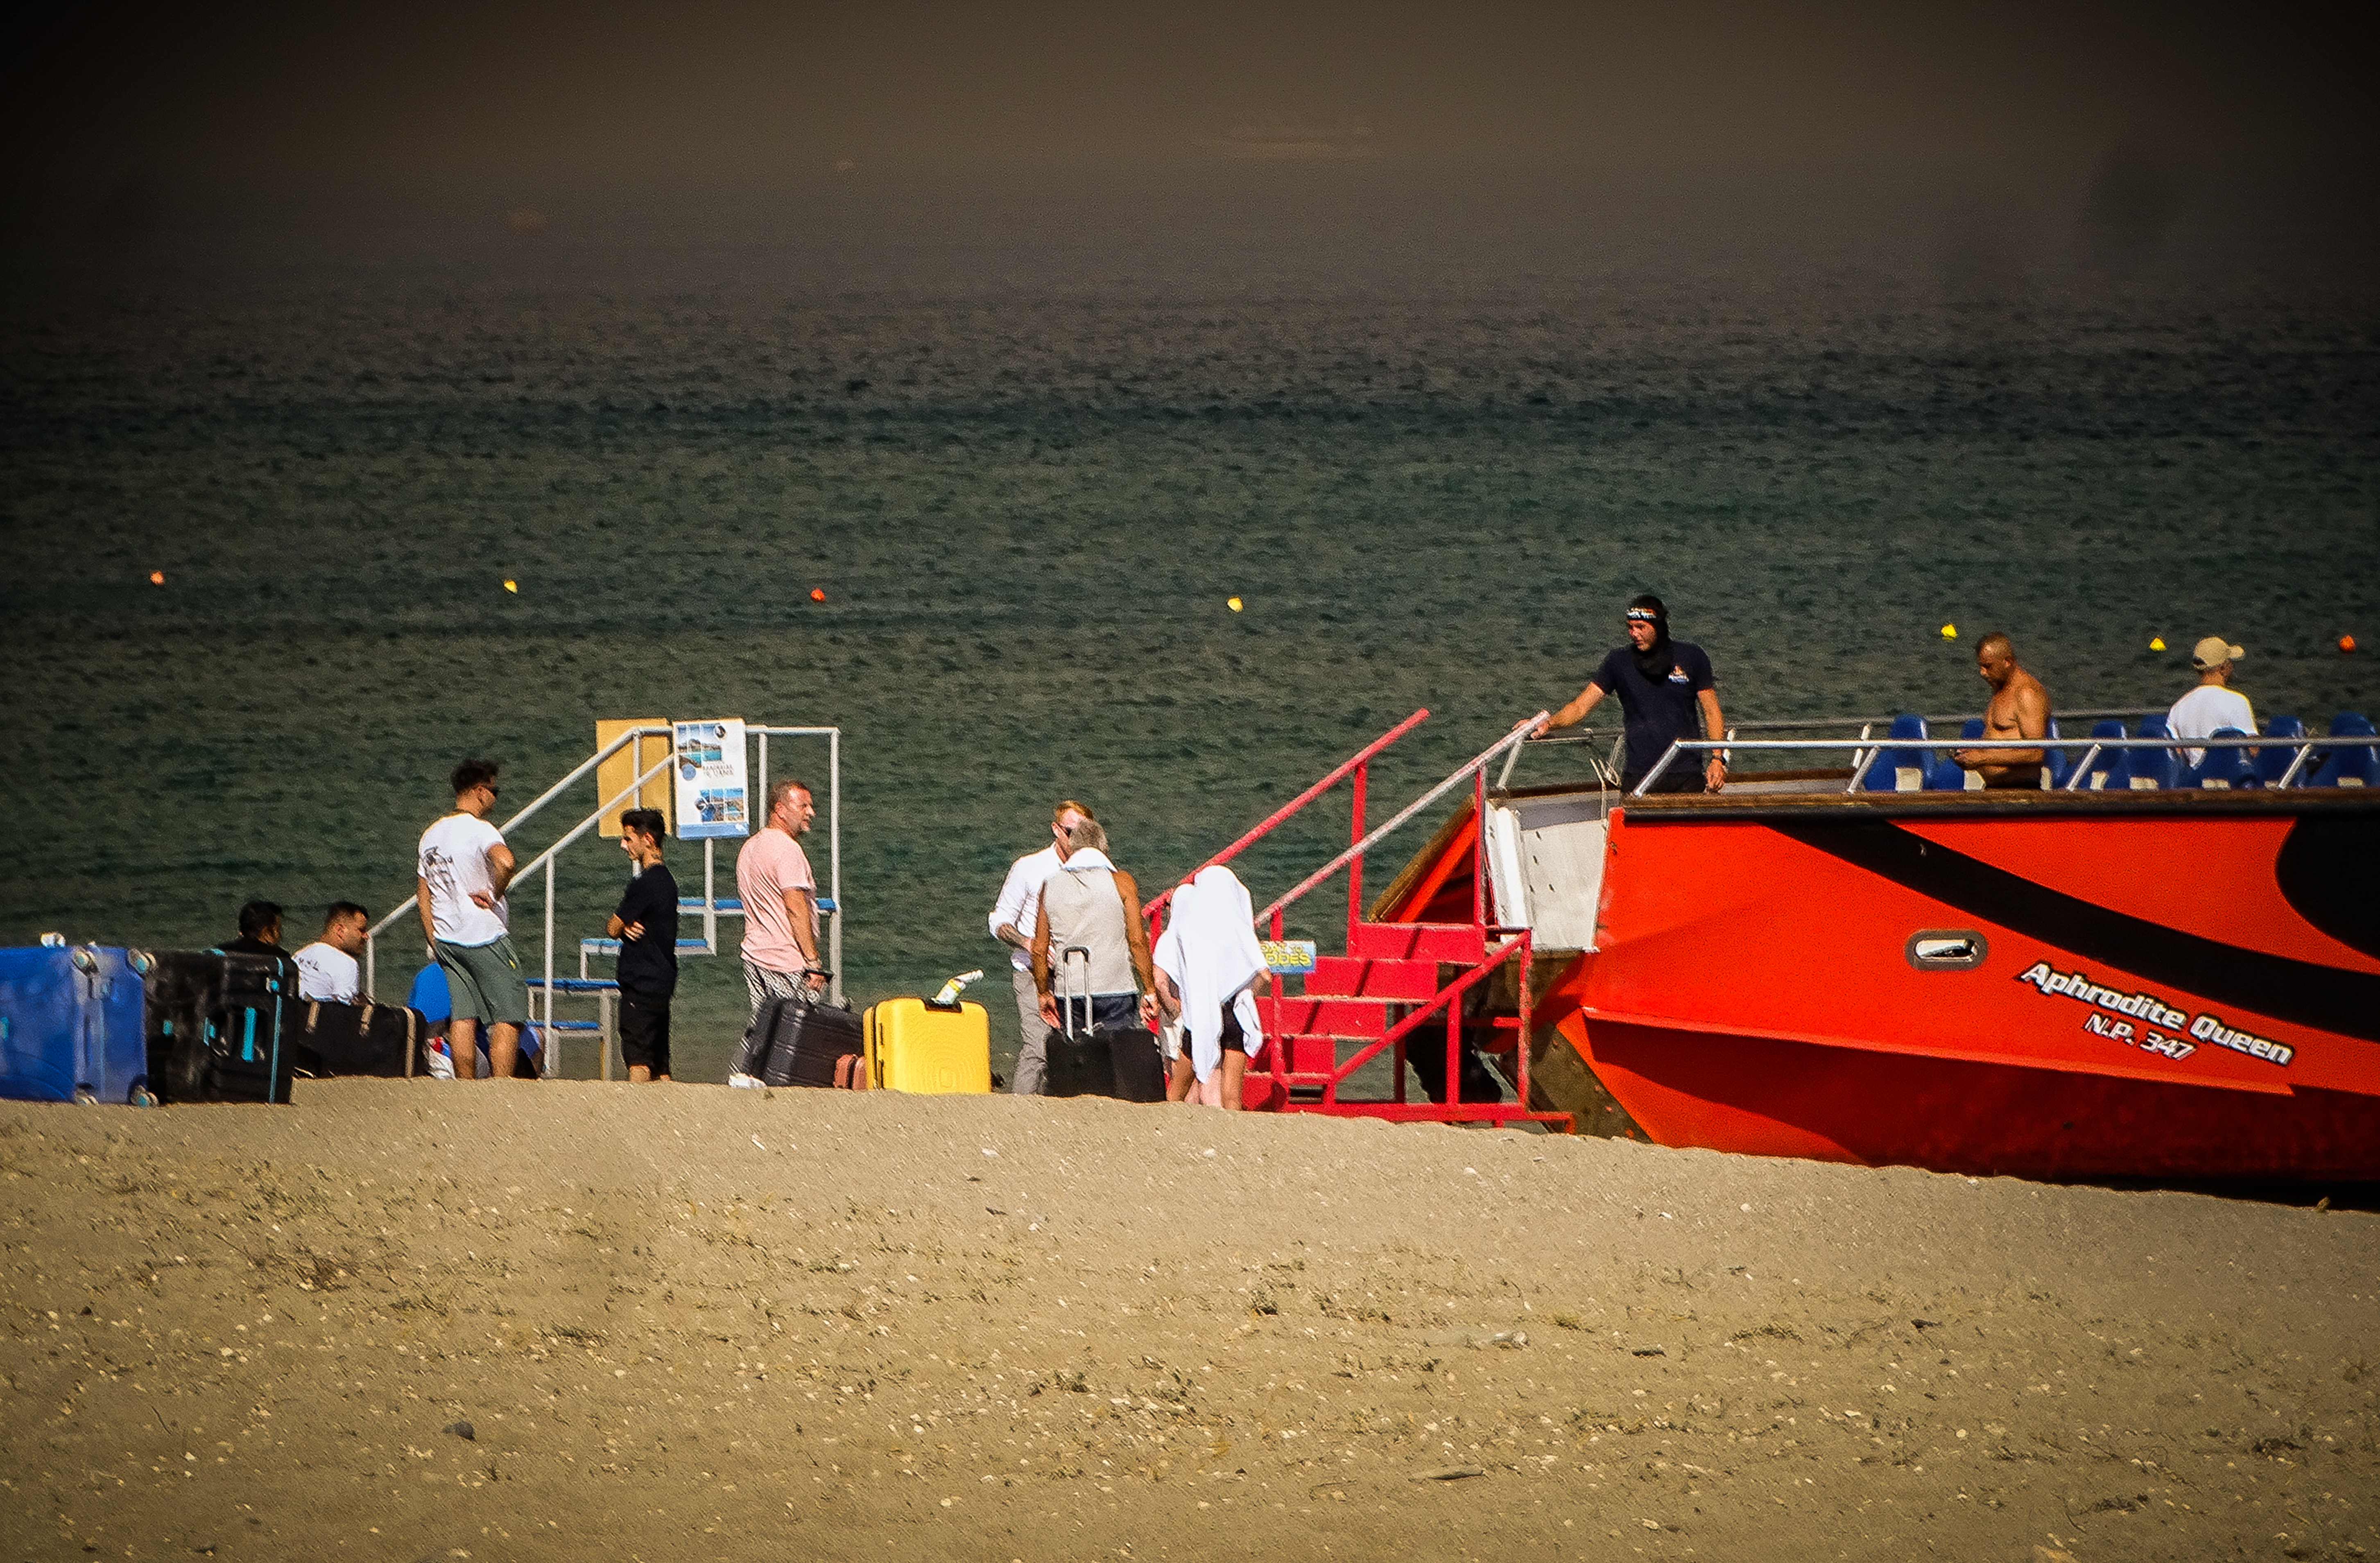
(2175, 984)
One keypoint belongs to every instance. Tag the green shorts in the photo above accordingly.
(485, 982)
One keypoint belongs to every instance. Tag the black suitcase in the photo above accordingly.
(216, 1025)
(797, 1042)
(373, 1040)
(1119, 1061)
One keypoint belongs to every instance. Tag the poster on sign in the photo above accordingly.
(711, 795)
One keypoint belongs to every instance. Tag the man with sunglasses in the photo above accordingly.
(464, 867)
(1666, 694)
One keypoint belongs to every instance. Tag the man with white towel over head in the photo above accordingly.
(1208, 967)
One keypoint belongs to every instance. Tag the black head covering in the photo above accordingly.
(1654, 661)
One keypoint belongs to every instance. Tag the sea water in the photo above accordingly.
(1028, 494)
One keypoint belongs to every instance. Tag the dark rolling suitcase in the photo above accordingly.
(70, 1025)
(799, 1042)
(371, 1039)
(1120, 1061)
(216, 1024)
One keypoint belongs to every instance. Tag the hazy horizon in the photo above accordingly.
(2023, 138)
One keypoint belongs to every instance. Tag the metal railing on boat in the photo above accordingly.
(1867, 748)
(1609, 764)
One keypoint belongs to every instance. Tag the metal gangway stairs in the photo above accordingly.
(1394, 985)
(547, 985)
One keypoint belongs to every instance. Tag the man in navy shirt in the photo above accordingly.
(1663, 687)
(645, 926)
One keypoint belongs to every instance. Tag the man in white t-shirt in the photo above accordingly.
(1013, 918)
(327, 968)
(2214, 704)
(464, 867)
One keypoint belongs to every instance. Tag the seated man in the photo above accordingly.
(327, 968)
(260, 934)
(2020, 708)
(2214, 705)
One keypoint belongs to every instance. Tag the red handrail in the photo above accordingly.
(1150, 908)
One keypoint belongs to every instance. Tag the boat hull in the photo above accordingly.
(2101, 988)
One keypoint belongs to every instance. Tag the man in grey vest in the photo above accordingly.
(1089, 904)
(1012, 923)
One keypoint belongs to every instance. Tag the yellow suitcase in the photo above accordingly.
(915, 1047)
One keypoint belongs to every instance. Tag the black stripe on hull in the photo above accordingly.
(2301, 991)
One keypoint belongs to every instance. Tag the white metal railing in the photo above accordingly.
(371, 935)
(1869, 748)
(1475, 765)
(711, 906)
(1609, 765)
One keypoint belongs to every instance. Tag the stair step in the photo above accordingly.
(1343, 977)
(1457, 942)
(1323, 1017)
(1305, 1054)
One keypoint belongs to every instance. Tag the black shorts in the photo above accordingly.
(645, 1032)
(1235, 1040)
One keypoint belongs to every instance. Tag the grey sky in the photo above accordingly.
(640, 92)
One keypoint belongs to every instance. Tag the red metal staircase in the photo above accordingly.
(1396, 981)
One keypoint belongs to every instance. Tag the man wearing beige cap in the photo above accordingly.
(2214, 704)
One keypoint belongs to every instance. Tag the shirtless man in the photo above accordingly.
(2020, 708)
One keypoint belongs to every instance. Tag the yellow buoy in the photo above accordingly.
(1234, 604)
(2156, 643)
(1950, 632)
(511, 587)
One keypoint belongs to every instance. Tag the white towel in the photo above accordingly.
(1209, 949)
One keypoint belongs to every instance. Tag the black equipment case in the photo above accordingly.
(216, 1027)
(371, 1039)
(1123, 1061)
(799, 1042)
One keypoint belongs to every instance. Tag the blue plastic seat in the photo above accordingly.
(2274, 764)
(2349, 767)
(2112, 769)
(2158, 770)
(1900, 769)
(1947, 775)
(2225, 768)
(2053, 760)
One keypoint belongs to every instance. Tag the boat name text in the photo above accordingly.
(2210, 1029)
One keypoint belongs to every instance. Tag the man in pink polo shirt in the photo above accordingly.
(773, 876)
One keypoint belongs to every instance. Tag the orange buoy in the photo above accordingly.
(818, 594)
(2346, 644)
(156, 578)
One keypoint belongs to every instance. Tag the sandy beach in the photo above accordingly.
(403, 1320)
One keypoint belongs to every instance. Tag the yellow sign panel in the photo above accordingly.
(616, 775)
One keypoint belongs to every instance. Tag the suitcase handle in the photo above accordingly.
(1066, 1000)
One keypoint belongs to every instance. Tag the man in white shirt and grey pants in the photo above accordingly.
(1012, 923)
(465, 869)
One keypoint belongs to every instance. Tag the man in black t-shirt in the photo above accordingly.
(645, 926)
(1664, 687)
